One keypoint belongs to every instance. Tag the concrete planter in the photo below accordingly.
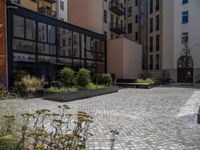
(65, 97)
(198, 116)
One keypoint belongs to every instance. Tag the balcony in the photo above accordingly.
(114, 27)
(117, 8)
(47, 12)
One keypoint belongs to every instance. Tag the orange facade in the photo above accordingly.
(2, 41)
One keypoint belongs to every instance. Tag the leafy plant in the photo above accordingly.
(30, 83)
(49, 130)
(62, 89)
(148, 80)
(83, 77)
(103, 79)
(19, 74)
(93, 86)
(67, 77)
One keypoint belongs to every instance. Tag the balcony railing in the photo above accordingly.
(114, 27)
(117, 7)
(47, 12)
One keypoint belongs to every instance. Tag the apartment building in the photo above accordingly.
(161, 26)
(52, 8)
(42, 44)
(108, 17)
(137, 25)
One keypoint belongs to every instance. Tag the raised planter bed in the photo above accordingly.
(198, 116)
(65, 97)
(136, 85)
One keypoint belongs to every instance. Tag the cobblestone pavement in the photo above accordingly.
(147, 119)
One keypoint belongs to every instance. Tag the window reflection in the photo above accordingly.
(18, 24)
(23, 57)
(22, 45)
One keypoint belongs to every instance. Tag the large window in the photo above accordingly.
(185, 17)
(44, 45)
(129, 13)
(184, 1)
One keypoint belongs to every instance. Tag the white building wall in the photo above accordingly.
(62, 14)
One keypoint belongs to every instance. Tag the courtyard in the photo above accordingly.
(161, 118)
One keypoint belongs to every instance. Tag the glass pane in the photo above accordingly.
(65, 42)
(23, 57)
(82, 46)
(51, 34)
(76, 45)
(100, 67)
(100, 57)
(90, 55)
(30, 29)
(46, 59)
(65, 61)
(22, 45)
(90, 44)
(18, 26)
(42, 32)
(46, 49)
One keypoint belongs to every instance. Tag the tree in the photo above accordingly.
(186, 60)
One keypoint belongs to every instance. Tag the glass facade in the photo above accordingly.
(43, 45)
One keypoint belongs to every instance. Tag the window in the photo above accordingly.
(30, 29)
(151, 44)
(157, 22)
(185, 17)
(151, 6)
(157, 62)
(129, 11)
(136, 2)
(151, 62)
(61, 5)
(184, 1)
(151, 25)
(18, 24)
(136, 36)
(105, 16)
(136, 18)
(157, 42)
(130, 28)
(157, 5)
(185, 37)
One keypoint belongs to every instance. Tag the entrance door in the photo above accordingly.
(185, 70)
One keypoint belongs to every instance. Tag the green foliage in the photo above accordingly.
(68, 77)
(64, 130)
(19, 74)
(3, 92)
(83, 77)
(30, 84)
(148, 80)
(62, 89)
(104, 79)
(93, 86)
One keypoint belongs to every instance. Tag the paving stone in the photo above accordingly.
(151, 119)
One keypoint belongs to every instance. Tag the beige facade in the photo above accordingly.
(124, 58)
(104, 17)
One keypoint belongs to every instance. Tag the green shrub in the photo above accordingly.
(62, 89)
(148, 80)
(19, 74)
(91, 86)
(67, 77)
(83, 77)
(30, 84)
(104, 79)
(3, 92)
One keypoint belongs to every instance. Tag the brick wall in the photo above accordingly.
(2, 42)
